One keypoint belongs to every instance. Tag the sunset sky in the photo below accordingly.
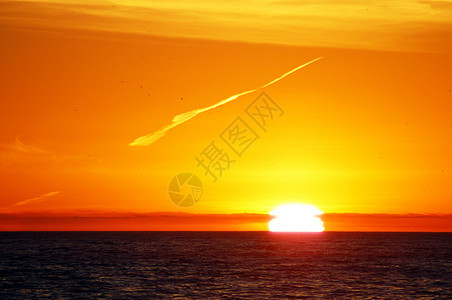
(365, 134)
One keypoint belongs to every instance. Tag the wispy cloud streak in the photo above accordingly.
(150, 138)
(42, 197)
(19, 146)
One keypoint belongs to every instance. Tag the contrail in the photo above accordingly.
(12, 207)
(37, 198)
(150, 138)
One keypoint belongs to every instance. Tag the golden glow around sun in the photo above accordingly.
(296, 218)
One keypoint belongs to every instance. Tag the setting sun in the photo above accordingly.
(296, 218)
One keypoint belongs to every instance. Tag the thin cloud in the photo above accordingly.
(42, 197)
(20, 146)
(439, 5)
(150, 138)
(345, 24)
(173, 221)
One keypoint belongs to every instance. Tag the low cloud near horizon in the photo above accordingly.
(180, 221)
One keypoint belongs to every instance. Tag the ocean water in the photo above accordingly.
(226, 265)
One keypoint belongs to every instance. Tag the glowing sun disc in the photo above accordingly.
(296, 218)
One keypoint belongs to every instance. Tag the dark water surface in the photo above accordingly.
(210, 265)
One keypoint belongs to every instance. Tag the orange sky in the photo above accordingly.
(366, 130)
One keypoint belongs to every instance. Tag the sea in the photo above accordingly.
(225, 265)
